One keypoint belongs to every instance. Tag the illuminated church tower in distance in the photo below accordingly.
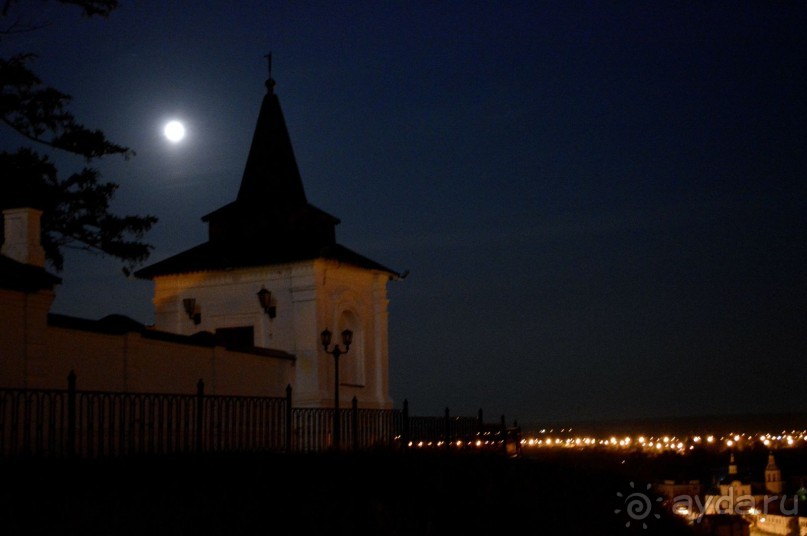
(773, 476)
(272, 277)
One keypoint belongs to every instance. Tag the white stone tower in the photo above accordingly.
(271, 275)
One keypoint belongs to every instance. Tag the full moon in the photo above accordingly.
(174, 131)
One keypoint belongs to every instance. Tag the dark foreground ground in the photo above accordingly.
(376, 493)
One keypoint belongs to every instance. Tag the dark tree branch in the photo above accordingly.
(35, 110)
(76, 210)
(89, 8)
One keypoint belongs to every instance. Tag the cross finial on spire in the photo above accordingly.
(270, 84)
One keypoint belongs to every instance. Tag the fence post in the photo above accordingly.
(447, 433)
(405, 425)
(354, 417)
(288, 418)
(200, 408)
(71, 413)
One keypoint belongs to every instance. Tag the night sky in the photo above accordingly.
(601, 204)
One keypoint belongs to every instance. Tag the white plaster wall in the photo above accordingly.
(355, 298)
(309, 296)
(228, 299)
(132, 363)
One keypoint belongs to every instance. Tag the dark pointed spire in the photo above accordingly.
(271, 178)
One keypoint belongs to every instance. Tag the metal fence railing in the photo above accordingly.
(33, 421)
(92, 424)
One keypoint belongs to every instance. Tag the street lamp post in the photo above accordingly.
(325, 338)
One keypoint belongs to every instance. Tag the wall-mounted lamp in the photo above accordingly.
(265, 299)
(194, 311)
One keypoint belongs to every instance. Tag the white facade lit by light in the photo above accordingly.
(308, 297)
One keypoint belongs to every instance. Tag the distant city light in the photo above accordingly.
(657, 444)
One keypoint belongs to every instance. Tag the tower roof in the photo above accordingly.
(271, 174)
(270, 221)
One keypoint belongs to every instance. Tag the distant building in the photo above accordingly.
(722, 525)
(780, 524)
(734, 485)
(242, 311)
(773, 476)
(740, 495)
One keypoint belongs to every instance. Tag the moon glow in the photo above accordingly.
(174, 131)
